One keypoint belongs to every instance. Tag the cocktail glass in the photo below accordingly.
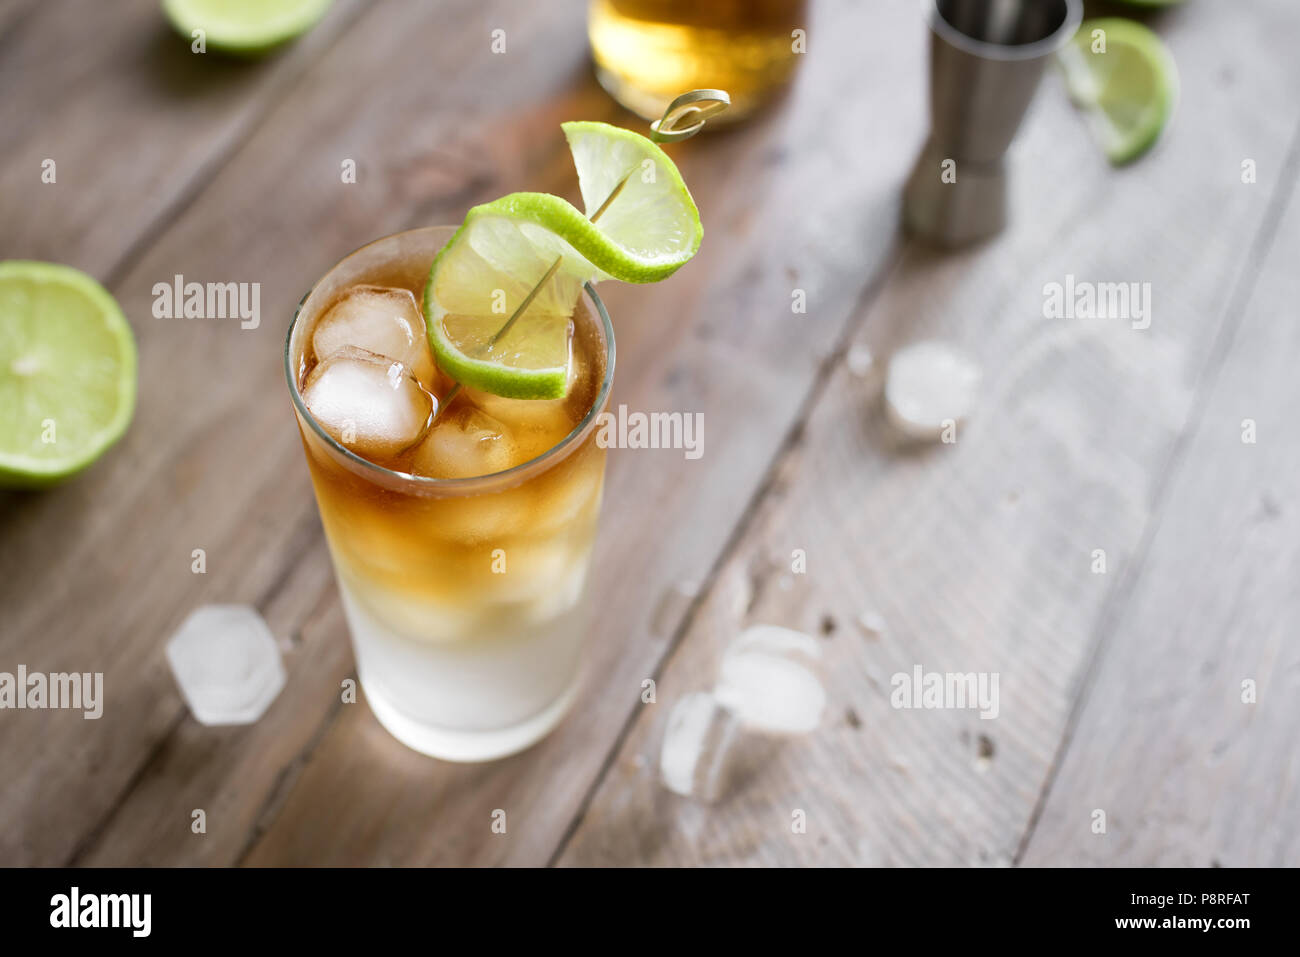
(466, 598)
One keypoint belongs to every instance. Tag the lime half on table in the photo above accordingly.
(245, 27)
(67, 372)
(1129, 89)
(523, 242)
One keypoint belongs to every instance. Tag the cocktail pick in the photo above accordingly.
(685, 115)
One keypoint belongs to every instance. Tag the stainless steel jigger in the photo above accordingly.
(986, 60)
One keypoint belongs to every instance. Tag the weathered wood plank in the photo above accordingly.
(804, 198)
(300, 787)
(977, 555)
(13, 16)
(229, 772)
(95, 575)
(134, 122)
(1186, 771)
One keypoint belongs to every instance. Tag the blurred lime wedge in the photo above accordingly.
(1129, 90)
(505, 248)
(67, 372)
(245, 27)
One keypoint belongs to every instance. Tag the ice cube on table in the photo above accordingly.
(928, 385)
(370, 403)
(226, 663)
(385, 321)
(464, 442)
(769, 679)
(697, 744)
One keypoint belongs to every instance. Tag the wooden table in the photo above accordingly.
(1120, 691)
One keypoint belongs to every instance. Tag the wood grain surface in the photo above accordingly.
(1119, 691)
(977, 556)
(1186, 737)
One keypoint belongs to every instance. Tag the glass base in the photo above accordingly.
(470, 746)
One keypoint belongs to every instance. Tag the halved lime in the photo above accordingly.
(67, 372)
(245, 27)
(1129, 90)
(523, 242)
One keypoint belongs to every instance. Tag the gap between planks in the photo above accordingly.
(277, 90)
(308, 535)
(268, 99)
(788, 447)
(268, 809)
(1116, 604)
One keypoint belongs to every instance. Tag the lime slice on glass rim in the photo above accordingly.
(537, 245)
(1129, 91)
(67, 372)
(246, 27)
